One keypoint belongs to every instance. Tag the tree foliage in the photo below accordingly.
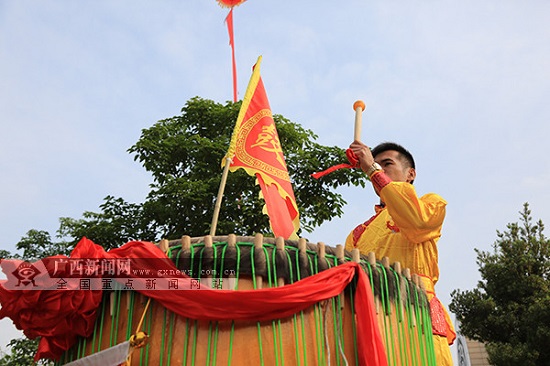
(509, 310)
(38, 244)
(118, 222)
(22, 352)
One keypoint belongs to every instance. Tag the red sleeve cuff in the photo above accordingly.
(379, 180)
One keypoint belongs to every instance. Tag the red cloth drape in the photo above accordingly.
(59, 316)
(56, 316)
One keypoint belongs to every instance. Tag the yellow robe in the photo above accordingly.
(406, 230)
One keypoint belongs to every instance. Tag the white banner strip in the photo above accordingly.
(113, 356)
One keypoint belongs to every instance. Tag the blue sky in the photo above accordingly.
(461, 84)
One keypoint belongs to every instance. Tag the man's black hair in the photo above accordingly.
(404, 153)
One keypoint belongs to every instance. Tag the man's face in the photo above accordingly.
(394, 167)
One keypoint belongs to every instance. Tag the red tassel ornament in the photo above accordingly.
(230, 3)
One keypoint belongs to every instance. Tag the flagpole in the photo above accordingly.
(220, 197)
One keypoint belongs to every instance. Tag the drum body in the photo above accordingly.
(323, 334)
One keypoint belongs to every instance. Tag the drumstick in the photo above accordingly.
(358, 107)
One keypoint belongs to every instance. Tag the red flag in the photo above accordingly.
(229, 21)
(256, 148)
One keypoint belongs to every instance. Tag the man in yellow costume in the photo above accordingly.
(405, 228)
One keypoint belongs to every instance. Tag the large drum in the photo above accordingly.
(323, 334)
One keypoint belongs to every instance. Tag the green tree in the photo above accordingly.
(118, 222)
(509, 310)
(184, 155)
(22, 352)
(37, 244)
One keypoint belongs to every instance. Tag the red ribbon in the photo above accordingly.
(353, 163)
(229, 21)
